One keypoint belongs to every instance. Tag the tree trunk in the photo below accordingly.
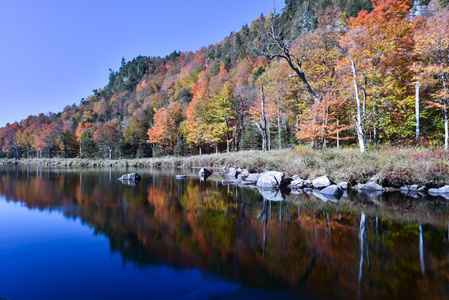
(360, 135)
(81, 149)
(268, 134)
(279, 129)
(417, 109)
(262, 127)
(446, 130)
(338, 135)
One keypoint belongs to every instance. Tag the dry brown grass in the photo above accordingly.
(387, 166)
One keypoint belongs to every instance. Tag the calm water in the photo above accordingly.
(82, 234)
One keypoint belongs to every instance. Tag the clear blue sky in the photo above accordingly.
(54, 52)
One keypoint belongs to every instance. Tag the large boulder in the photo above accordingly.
(440, 191)
(133, 177)
(204, 172)
(371, 186)
(273, 179)
(253, 178)
(343, 185)
(321, 182)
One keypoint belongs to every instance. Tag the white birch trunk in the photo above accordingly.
(417, 109)
(359, 117)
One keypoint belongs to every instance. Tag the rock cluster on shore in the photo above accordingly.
(322, 187)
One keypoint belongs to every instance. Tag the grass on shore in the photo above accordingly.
(388, 166)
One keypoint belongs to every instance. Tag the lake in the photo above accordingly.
(68, 233)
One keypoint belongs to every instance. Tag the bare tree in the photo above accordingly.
(276, 41)
(262, 126)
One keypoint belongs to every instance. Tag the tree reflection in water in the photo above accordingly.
(314, 247)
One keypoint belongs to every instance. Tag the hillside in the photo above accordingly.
(334, 73)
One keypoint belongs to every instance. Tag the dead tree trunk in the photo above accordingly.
(417, 109)
(262, 126)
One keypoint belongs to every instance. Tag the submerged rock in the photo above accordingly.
(133, 177)
(227, 182)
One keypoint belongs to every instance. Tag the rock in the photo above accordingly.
(321, 182)
(227, 182)
(307, 183)
(134, 177)
(273, 179)
(441, 190)
(413, 188)
(404, 189)
(181, 176)
(297, 184)
(232, 172)
(246, 182)
(245, 173)
(332, 190)
(253, 178)
(371, 186)
(221, 173)
(204, 172)
(271, 194)
(343, 185)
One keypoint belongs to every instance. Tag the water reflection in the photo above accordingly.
(258, 238)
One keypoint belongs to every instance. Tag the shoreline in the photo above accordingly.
(390, 167)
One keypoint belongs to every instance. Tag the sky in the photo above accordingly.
(53, 53)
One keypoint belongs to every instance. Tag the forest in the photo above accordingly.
(328, 73)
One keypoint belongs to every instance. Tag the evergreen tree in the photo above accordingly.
(250, 138)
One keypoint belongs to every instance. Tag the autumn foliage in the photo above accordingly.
(333, 80)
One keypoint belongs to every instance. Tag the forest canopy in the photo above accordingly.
(326, 73)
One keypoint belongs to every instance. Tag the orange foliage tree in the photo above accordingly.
(432, 46)
(165, 129)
